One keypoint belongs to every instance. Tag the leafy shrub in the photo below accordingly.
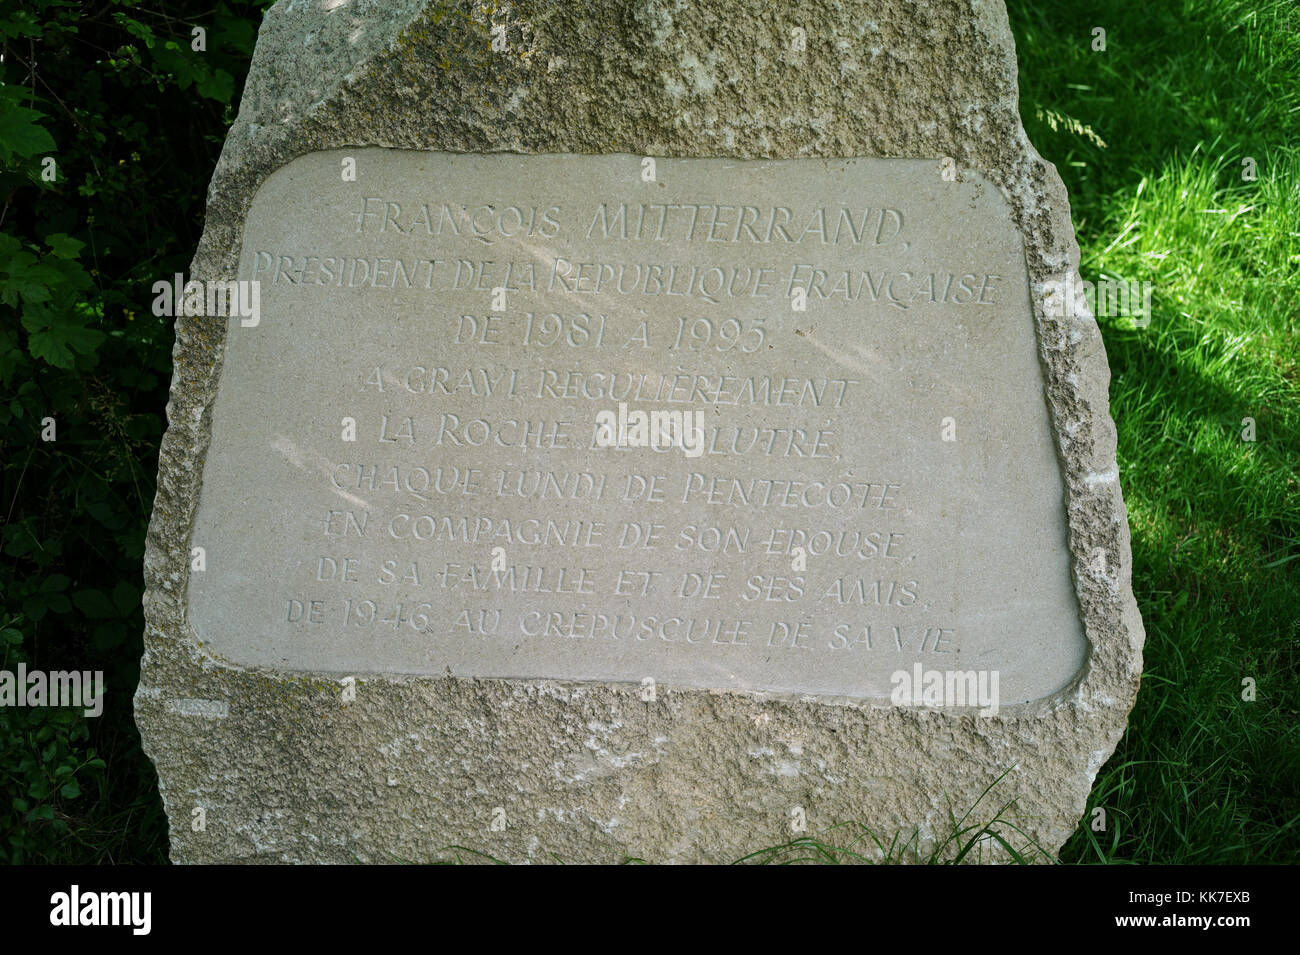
(110, 124)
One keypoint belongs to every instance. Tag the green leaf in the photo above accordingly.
(50, 348)
(21, 23)
(220, 86)
(94, 604)
(126, 597)
(64, 246)
(20, 135)
(134, 27)
(70, 790)
(56, 343)
(109, 637)
(23, 277)
(54, 584)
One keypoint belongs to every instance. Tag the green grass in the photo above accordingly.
(1182, 94)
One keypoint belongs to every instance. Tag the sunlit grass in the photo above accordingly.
(1182, 95)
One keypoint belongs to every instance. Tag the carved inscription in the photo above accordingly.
(771, 425)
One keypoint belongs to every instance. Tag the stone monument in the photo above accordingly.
(633, 429)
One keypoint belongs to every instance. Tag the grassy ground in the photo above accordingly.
(1150, 136)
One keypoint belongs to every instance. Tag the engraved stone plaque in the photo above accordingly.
(611, 468)
(863, 478)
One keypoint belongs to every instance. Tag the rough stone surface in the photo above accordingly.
(588, 771)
